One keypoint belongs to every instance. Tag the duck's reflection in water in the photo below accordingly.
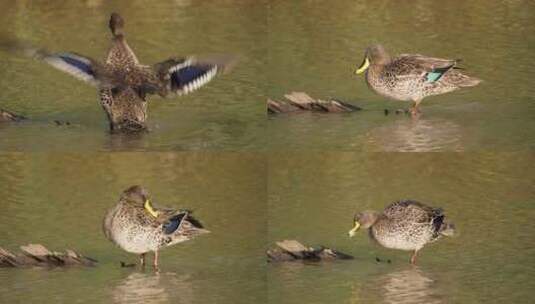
(408, 286)
(416, 135)
(154, 287)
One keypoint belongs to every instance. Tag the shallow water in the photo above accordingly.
(316, 50)
(59, 200)
(489, 197)
(226, 114)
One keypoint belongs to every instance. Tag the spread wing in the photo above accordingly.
(185, 75)
(79, 66)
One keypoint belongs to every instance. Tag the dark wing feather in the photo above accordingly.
(429, 67)
(174, 222)
(79, 66)
(183, 76)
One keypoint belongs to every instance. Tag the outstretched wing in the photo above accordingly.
(79, 66)
(82, 68)
(183, 76)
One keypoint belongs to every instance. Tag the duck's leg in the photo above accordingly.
(155, 259)
(415, 111)
(142, 259)
(413, 257)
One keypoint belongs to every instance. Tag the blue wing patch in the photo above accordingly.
(433, 76)
(173, 223)
(79, 64)
(76, 65)
(437, 73)
(186, 78)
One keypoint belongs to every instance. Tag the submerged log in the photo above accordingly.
(6, 116)
(39, 255)
(292, 250)
(300, 101)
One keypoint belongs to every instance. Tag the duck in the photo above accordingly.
(123, 83)
(404, 225)
(411, 77)
(136, 226)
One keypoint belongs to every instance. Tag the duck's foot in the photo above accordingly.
(413, 257)
(127, 265)
(415, 113)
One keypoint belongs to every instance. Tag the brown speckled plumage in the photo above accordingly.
(133, 228)
(405, 225)
(412, 77)
(123, 82)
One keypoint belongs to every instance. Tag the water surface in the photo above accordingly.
(489, 197)
(59, 200)
(227, 114)
(315, 48)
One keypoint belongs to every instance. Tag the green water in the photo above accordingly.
(252, 179)
(229, 113)
(489, 197)
(60, 200)
(315, 48)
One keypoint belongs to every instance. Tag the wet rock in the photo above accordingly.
(300, 102)
(6, 116)
(39, 255)
(62, 123)
(292, 250)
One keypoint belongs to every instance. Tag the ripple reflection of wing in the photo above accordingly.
(153, 288)
(406, 135)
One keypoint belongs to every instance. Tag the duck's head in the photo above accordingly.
(139, 197)
(364, 219)
(375, 54)
(116, 24)
(135, 195)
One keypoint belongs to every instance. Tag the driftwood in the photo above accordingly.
(299, 102)
(39, 255)
(292, 250)
(6, 116)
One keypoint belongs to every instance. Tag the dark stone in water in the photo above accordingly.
(39, 255)
(6, 116)
(300, 102)
(62, 123)
(292, 250)
(125, 265)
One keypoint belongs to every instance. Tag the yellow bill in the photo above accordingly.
(364, 66)
(353, 231)
(149, 209)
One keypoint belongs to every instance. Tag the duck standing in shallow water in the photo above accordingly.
(411, 77)
(124, 83)
(404, 225)
(137, 227)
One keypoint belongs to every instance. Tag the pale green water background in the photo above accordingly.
(228, 114)
(315, 47)
(490, 198)
(59, 200)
